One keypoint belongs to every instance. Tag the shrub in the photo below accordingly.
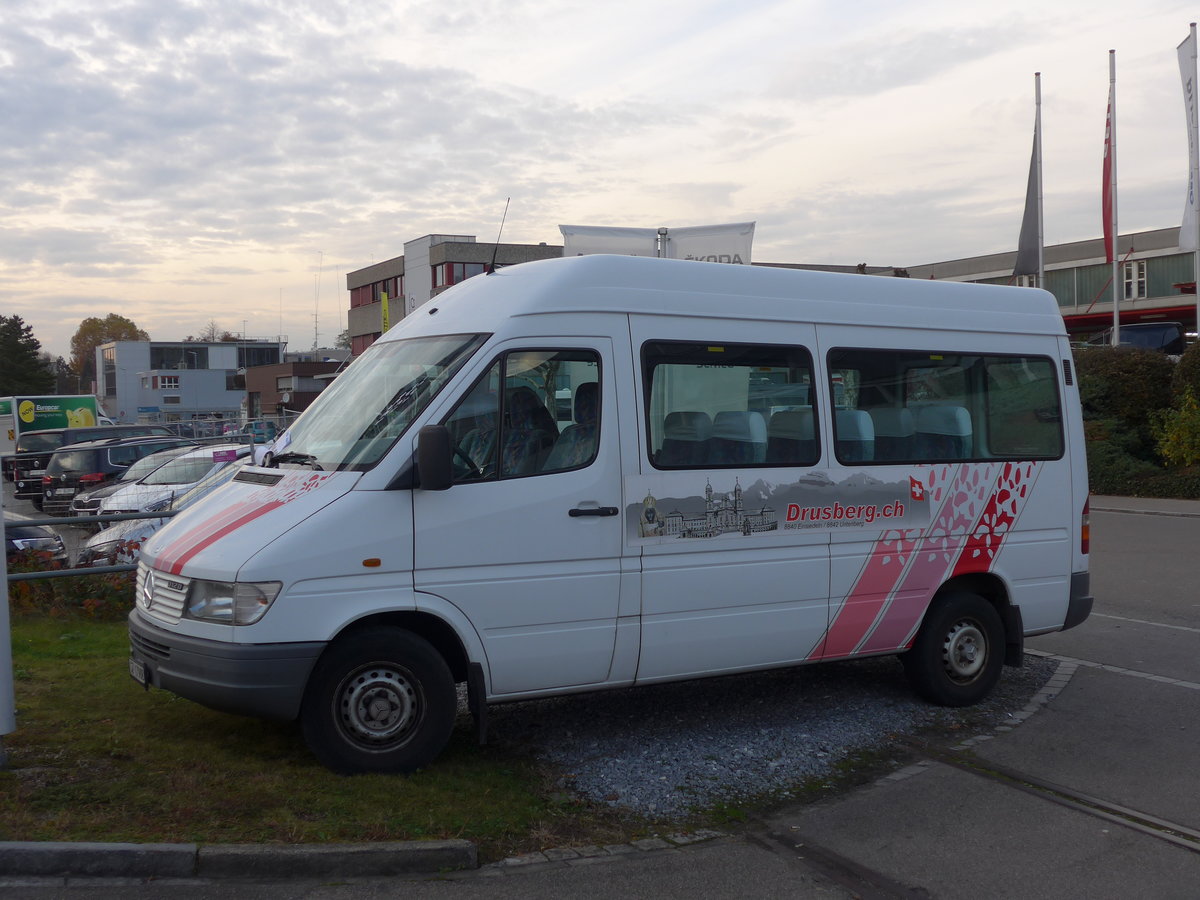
(1187, 372)
(1178, 431)
(1129, 384)
(1115, 454)
(102, 597)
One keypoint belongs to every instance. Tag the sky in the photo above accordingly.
(229, 161)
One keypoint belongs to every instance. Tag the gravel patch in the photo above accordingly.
(670, 750)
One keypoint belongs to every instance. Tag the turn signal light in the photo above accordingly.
(1085, 530)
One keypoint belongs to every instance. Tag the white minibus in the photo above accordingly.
(602, 471)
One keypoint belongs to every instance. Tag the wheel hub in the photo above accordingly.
(378, 705)
(965, 651)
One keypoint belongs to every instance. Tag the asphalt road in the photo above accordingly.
(1117, 727)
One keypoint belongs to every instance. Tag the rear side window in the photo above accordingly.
(715, 405)
(902, 406)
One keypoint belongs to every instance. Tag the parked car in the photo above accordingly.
(1165, 337)
(33, 449)
(88, 502)
(262, 430)
(20, 538)
(93, 464)
(121, 542)
(173, 478)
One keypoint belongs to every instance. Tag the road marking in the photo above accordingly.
(1144, 622)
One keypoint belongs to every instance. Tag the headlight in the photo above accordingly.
(158, 505)
(231, 603)
(46, 544)
(93, 552)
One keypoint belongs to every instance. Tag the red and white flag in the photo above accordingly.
(1107, 191)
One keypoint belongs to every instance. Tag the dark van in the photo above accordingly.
(33, 451)
(92, 464)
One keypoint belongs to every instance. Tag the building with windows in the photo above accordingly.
(178, 381)
(282, 390)
(384, 293)
(1158, 281)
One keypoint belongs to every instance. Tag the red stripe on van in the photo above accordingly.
(935, 557)
(997, 519)
(180, 561)
(884, 568)
(207, 532)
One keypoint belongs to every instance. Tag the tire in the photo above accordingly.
(958, 655)
(379, 701)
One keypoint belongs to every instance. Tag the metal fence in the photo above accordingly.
(85, 570)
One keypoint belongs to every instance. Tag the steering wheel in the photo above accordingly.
(475, 470)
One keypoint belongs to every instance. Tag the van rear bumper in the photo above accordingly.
(1080, 605)
(262, 680)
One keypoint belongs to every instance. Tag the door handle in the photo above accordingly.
(592, 511)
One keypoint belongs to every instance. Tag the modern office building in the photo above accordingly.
(1157, 279)
(430, 264)
(178, 381)
(282, 390)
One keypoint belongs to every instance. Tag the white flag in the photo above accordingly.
(582, 240)
(1187, 75)
(712, 243)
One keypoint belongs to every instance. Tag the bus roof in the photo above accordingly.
(648, 286)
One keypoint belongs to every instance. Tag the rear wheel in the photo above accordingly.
(379, 701)
(957, 657)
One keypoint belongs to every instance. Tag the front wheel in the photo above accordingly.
(959, 652)
(379, 701)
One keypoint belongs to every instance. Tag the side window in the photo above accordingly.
(123, 456)
(533, 412)
(726, 405)
(919, 407)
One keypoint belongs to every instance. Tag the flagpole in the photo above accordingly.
(1118, 283)
(1037, 138)
(1194, 167)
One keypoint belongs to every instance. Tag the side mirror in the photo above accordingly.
(434, 458)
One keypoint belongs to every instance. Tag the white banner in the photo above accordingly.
(707, 243)
(1187, 75)
(712, 243)
(581, 240)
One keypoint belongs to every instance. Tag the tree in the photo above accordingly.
(212, 333)
(343, 339)
(22, 370)
(91, 334)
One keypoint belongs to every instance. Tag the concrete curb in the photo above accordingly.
(97, 860)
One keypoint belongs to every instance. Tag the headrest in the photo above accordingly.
(687, 426)
(740, 425)
(792, 424)
(893, 422)
(853, 425)
(587, 401)
(952, 420)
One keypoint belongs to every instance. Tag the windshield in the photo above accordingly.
(35, 443)
(182, 471)
(360, 416)
(148, 464)
(210, 482)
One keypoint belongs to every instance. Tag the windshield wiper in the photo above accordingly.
(272, 460)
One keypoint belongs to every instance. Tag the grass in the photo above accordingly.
(96, 758)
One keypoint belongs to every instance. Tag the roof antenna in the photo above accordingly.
(496, 249)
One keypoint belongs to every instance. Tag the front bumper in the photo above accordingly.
(262, 680)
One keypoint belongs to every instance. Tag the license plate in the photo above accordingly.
(138, 671)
